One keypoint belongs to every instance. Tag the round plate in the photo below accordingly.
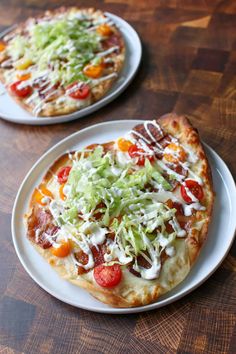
(11, 111)
(219, 240)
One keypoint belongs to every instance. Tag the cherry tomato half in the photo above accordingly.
(134, 151)
(20, 92)
(62, 175)
(93, 71)
(124, 144)
(2, 46)
(107, 276)
(180, 154)
(194, 188)
(78, 91)
(104, 30)
(63, 249)
(23, 77)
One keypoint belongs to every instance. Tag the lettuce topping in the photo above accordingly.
(64, 43)
(126, 199)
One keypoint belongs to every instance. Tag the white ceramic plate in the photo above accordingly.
(11, 111)
(219, 239)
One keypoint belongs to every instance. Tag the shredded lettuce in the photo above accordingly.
(126, 205)
(63, 42)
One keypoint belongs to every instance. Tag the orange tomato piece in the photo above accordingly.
(93, 71)
(23, 77)
(62, 249)
(61, 193)
(123, 144)
(40, 193)
(104, 30)
(178, 153)
(2, 46)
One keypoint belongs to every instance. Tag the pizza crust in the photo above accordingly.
(133, 291)
(181, 128)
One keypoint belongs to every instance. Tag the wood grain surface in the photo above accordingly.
(188, 66)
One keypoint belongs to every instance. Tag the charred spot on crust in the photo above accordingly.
(175, 124)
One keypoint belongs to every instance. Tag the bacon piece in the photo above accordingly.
(164, 257)
(98, 256)
(185, 222)
(178, 169)
(134, 272)
(147, 131)
(142, 262)
(176, 205)
(112, 41)
(41, 221)
(82, 258)
(164, 142)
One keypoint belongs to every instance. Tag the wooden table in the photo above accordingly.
(188, 66)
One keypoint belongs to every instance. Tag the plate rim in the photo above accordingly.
(113, 310)
(108, 98)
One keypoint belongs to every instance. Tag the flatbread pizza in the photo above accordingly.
(62, 61)
(126, 219)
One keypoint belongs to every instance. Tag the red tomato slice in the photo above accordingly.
(134, 151)
(63, 174)
(20, 92)
(107, 276)
(194, 188)
(79, 93)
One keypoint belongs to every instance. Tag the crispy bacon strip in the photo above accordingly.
(41, 227)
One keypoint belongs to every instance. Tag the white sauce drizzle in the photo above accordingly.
(170, 171)
(150, 134)
(170, 251)
(179, 232)
(108, 51)
(189, 193)
(188, 208)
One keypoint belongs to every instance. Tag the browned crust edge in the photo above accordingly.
(175, 124)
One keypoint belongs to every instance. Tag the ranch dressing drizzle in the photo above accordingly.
(108, 51)
(174, 223)
(74, 88)
(48, 88)
(32, 98)
(38, 108)
(170, 171)
(6, 63)
(154, 271)
(96, 25)
(85, 248)
(150, 134)
(170, 251)
(158, 148)
(189, 194)
(104, 78)
(194, 176)
(140, 136)
(188, 208)
(145, 147)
